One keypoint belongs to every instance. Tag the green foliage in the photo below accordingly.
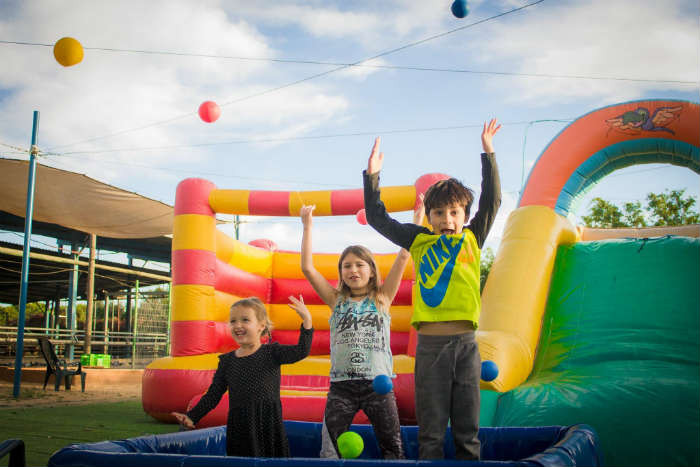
(668, 208)
(487, 258)
(604, 215)
(634, 215)
(34, 315)
(672, 209)
(9, 314)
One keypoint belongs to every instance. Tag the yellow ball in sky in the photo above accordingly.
(68, 51)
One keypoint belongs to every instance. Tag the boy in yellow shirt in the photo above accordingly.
(447, 300)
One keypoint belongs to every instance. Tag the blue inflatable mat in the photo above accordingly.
(508, 446)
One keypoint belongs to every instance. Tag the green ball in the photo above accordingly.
(350, 445)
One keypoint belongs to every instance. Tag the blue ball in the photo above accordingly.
(382, 384)
(489, 370)
(460, 9)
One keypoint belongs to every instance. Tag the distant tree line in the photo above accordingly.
(668, 208)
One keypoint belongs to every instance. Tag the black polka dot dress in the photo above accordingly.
(254, 424)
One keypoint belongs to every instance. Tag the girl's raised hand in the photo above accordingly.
(303, 312)
(376, 158)
(490, 130)
(419, 211)
(183, 420)
(306, 213)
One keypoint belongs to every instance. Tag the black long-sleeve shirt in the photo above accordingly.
(254, 422)
(404, 234)
(447, 267)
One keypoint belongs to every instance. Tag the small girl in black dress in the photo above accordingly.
(251, 374)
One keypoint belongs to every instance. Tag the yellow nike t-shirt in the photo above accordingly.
(447, 278)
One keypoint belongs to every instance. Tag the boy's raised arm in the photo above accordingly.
(393, 280)
(400, 234)
(490, 198)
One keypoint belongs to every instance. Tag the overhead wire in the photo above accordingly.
(79, 154)
(364, 65)
(308, 78)
(290, 138)
(339, 67)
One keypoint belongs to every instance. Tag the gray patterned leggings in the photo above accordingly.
(345, 398)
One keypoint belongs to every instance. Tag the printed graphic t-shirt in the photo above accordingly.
(360, 345)
(447, 266)
(447, 278)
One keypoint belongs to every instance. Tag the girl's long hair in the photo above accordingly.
(374, 281)
(258, 307)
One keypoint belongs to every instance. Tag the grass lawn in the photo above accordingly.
(46, 429)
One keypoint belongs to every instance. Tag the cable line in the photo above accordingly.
(308, 78)
(386, 67)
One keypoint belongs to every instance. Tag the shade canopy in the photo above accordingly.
(79, 202)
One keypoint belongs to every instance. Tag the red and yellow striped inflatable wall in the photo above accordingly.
(211, 270)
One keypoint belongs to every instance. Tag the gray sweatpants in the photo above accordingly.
(447, 374)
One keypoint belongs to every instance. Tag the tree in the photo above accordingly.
(487, 258)
(634, 215)
(33, 314)
(604, 215)
(668, 208)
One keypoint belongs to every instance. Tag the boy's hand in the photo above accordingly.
(490, 130)
(183, 420)
(303, 312)
(376, 158)
(306, 213)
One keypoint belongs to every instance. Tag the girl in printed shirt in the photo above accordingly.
(359, 341)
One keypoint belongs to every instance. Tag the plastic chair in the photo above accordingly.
(59, 368)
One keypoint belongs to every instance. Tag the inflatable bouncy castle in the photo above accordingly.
(585, 326)
(212, 270)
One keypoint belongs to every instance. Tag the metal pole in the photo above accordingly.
(90, 296)
(71, 309)
(134, 325)
(47, 312)
(106, 315)
(170, 309)
(25, 257)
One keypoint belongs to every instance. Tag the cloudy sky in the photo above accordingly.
(294, 118)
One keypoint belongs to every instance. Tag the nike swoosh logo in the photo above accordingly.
(434, 295)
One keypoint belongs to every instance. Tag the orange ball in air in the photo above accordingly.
(68, 51)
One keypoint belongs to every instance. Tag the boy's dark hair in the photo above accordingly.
(446, 192)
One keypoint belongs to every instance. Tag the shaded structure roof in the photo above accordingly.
(69, 207)
(81, 203)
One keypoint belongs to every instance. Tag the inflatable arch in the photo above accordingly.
(607, 139)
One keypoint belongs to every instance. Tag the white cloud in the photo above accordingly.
(330, 235)
(362, 72)
(509, 202)
(145, 100)
(643, 39)
(363, 22)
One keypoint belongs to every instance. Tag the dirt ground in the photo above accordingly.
(32, 394)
